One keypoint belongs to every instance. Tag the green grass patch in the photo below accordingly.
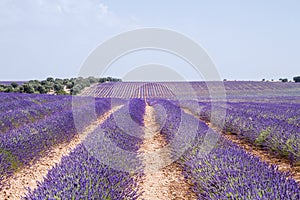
(264, 134)
(10, 158)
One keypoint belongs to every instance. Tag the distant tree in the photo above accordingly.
(70, 85)
(297, 79)
(41, 89)
(9, 89)
(14, 84)
(34, 81)
(66, 81)
(92, 79)
(58, 87)
(44, 82)
(58, 80)
(102, 80)
(49, 87)
(284, 80)
(28, 88)
(75, 90)
(35, 85)
(20, 89)
(263, 80)
(224, 79)
(86, 83)
(79, 78)
(82, 83)
(116, 80)
(50, 79)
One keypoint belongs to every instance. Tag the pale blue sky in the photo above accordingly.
(247, 40)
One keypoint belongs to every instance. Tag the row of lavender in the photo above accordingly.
(90, 172)
(10, 101)
(40, 125)
(201, 89)
(227, 171)
(273, 126)
(27, 111)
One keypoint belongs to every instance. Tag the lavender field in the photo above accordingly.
(153, 140)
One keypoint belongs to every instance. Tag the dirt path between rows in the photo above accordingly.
(264, 155)
(163, 178)
(15, 186)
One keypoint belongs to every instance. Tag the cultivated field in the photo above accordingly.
(169, 140)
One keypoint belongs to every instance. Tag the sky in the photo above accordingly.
(246, 40)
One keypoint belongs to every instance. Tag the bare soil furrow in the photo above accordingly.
(163, 178)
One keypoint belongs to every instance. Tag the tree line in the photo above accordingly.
(297, 79)
(284, 80)
(65, 86)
